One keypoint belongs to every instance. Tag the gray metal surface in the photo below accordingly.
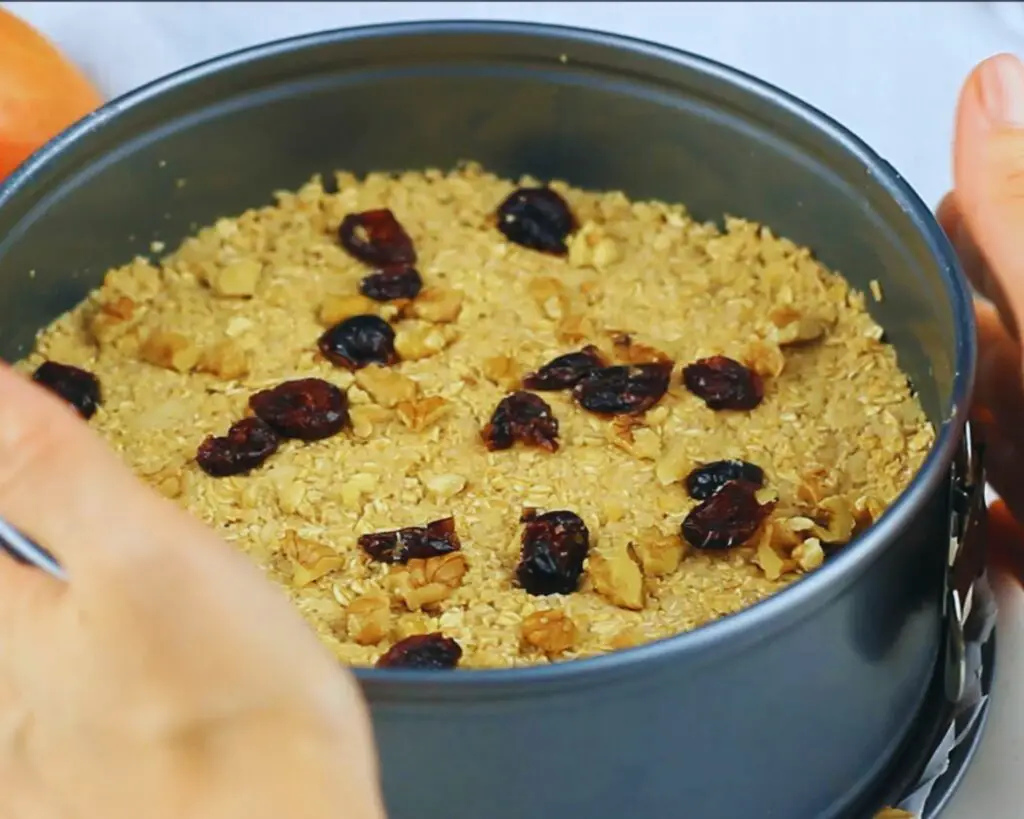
(790, 709)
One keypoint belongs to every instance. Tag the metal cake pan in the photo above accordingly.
(790, 709)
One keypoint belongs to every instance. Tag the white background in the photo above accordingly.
(890, 72)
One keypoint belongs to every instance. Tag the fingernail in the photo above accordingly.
(1002, 90)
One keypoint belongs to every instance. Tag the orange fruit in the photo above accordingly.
(41, 92)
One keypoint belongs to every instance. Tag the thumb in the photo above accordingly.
(988, 171)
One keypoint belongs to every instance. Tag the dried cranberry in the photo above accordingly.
(78, 387)
(358, 342)
(308, 408)
(392, 283)
(624, 388)
(705, 480)
(724, 383)
(377, 238)
(522, 417)
(555, 545)
(403, 545)
(565, 371)
(423, 651)
(730, 517)
(248, 444)
(537, 218)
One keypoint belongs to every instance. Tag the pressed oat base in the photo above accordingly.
(181, 344)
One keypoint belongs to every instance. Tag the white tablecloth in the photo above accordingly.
(889, 71)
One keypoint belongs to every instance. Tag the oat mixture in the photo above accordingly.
(822, 433)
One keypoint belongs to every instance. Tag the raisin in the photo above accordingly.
(565, 371)
(392, 283)
(377, 238)
(80, 388)
(423, 651)
(724, 383)
(730, 517)
(522, 417)
(308, 408)
(403, 545)
(555, 545)
(537, 218)
(248, 444)
(358, 342)
(623, 389)
(705, 480)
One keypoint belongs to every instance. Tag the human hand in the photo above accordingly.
(167, 678)
(984, 218)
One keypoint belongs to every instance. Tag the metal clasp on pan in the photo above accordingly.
(966, 556)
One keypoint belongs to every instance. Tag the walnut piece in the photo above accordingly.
(616, 577)
(112, 320)
(553, 632)
(170, 350)
(368, 618)
(658, 554)
(335, 309)
(422, 584)
(420, 414)
(809, 555)
(416, 341)
(226, 359)
(839, 521)
(438, 305)
(310, 560)
(765, 358)
(387, 386)
(502, 370)
(792, 327)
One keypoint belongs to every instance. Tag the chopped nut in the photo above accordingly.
(420, 414)
(658, 554)
(551, 631)
(112, 319)
(764, 358)
(876, 290)
(237, 280)
(368, 618)
(413, 342)
(771, 562)
(674, 463)
(809, 554)
(336, 309)
(839, 521)
(448, 569)
(310, 560)
(422, 584)
(628, 351)
(387, 386)
(226, 360)
(437, 304)
(169, 350)
(866, 511)
(502, 370)
(445, 485)
(617, 577)
(790, 327)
